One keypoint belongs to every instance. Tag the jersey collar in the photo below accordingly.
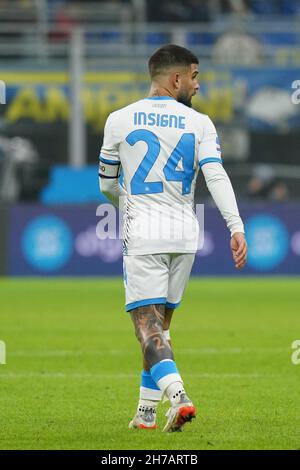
(160, 98)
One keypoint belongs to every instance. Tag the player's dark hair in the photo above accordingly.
(168, 56)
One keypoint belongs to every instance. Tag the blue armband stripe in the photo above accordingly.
(210, 160)
(108, 177)
(109, 162)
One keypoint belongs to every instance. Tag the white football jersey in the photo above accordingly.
(158, 144)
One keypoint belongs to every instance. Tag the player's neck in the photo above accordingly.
(157, 90)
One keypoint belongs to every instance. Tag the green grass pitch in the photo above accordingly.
(71, 380)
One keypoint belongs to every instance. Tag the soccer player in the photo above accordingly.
(160, 143)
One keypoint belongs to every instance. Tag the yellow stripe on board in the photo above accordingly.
(37, 78)
(16, 78)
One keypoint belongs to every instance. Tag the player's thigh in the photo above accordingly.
(145, 280)
(180, 270)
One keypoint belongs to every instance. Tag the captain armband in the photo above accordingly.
(109, 169)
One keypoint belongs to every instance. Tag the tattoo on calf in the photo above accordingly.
(148, 322)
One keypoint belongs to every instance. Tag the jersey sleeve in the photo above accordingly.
(109, 160)
(220, 187)
(209, 149)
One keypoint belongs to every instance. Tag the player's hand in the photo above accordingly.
(239, 249)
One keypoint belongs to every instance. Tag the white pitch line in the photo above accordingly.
(54, 375)
(121, 352)
(234, 351)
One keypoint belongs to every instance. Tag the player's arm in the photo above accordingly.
(110, 165)
(221, 190)
(109, 182)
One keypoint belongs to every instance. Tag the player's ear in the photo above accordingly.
(175, 78)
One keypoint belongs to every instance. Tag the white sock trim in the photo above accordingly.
(174, 391)
(167, 380)
(147, 404)
(150, 394)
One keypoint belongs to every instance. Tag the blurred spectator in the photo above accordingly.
(238, 47)
(64, 22)
(22, 174)
(235, 6)
(179, 10)
(264, 185)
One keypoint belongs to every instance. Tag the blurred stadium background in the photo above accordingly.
(66, 64)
